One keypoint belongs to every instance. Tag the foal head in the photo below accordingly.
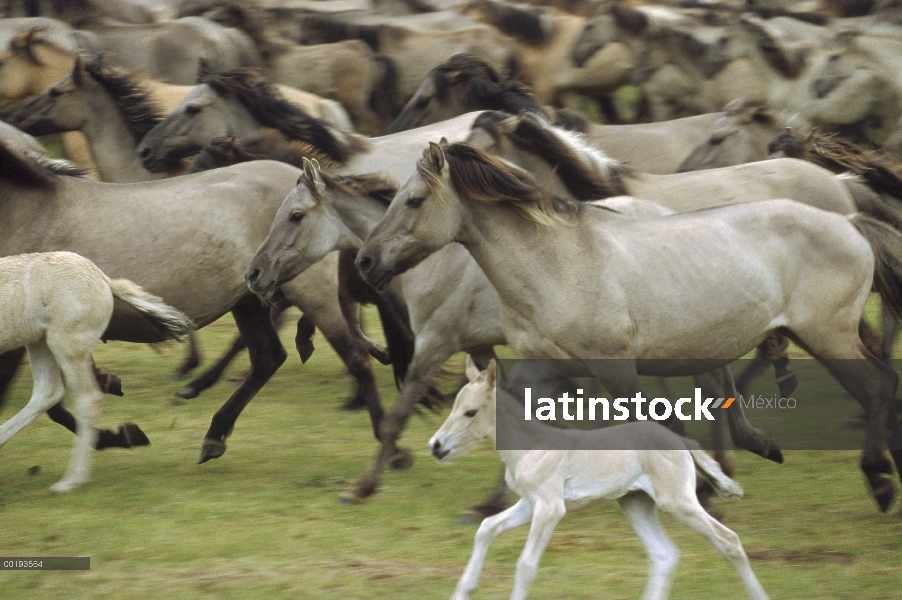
(472, 417)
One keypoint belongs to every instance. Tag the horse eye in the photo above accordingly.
(296, 217)
(471, 413)
(416, 202)
(192, 109)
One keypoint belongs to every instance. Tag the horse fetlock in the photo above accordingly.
(401, 460)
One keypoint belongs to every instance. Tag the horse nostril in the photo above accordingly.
(143, 153)
(253, 275)
(364, 263)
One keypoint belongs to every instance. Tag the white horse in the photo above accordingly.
(699, 289)
(550, 481)
(57, 305)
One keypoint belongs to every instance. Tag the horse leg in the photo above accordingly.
(433, 349)
(663, 555)
(191, 362)
(75, 363)
(888, 328)
(874, 384)
(515, 516)
(266, 355)
(212, 375)
(743, 433)
(303, 338)
(48, 390)
(352, 292)
(9, 364)
(545, 517)
(688, 511)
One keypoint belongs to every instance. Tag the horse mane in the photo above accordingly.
(570, 120)
(267, 144)
(586, 172)
(840, 155)
(381, 187)
(239, 14)
(485, 87)
(481, 177)
(327, 29)
(30, 168)
(132, 99)
(267, 105)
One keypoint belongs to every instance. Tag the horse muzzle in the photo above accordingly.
(373, 272)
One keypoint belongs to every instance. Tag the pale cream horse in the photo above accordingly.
(58, 304)
(652, 467)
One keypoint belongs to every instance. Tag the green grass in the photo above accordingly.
(262, 521)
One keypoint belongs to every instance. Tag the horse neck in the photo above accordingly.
(360, 214)
(516, 255)
(112, 145)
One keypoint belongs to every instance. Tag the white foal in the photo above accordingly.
(548, 480)
(57, 305)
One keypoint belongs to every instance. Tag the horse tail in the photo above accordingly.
(384, 97)
(710, 470)
(886, 243)
(169, 321)
(885, 205)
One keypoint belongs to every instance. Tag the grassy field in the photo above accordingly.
(262, 521)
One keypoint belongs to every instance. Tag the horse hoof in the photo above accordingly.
(133, 435)
(380, 353)
(402, 460)
(788, 385)
(348, 498)
(305, 351)
(884, 493)
(773, 452)
(188, 393)
(211, 449)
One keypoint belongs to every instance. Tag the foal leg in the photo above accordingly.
(48, 390)
(76, 363)
(266, 353)
(545, 517)
(515, 516)
(663, 555)
(191, 362)
(687, 510)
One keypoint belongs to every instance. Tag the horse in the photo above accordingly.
(186, 239)
(810, 282)
(740, 135)
(58, 305)
(464, 83)
(652, 467)
(240, 102)
(452, 308)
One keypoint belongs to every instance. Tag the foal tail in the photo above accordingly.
(172, 323)
(708, 467)
(886, 242)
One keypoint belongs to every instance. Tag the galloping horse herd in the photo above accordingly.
(245, 156)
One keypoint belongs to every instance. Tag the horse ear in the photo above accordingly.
(24, 44)
(492, 373)
(436, 156)
(443, 141)
(312, 174)
(471, 370)
(78, 71)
